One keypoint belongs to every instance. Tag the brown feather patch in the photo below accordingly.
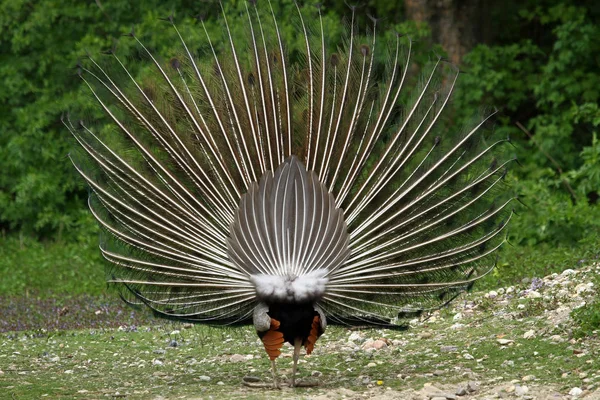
(315, 332)
(273, 340)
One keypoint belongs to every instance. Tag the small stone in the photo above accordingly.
(457, 316)
(187, 325)
(159, 351)
(247, 378)
(438, 373)
(371, 365)
(438, 398)
(491, 294)
(467, 356)
(530, 334)
(448, 349)
(356, 337)
(582, 375)
(316, 374)
(425, 335)
(581, 288)
(575, 392)
(157, 362)
(173, 343)
(473, 386)
(521, 306)
(204, 378)
(55, 359)
(527, 378)
(374, 344)
(568, 272)
(521, 391)
(534, 294)
(504, 342)
(557, 338)
(237, 358)
(461, 391)
(220, 383)
(457, 326)
(175, 332)
(69, 371)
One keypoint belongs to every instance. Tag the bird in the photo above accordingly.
(240, 180)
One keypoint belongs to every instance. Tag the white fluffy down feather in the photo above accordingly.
(289, 288)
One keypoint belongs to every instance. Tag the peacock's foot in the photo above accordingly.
(254, 382)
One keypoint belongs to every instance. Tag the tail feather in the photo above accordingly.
(199, 180)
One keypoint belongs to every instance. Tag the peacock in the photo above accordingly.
(240, 181)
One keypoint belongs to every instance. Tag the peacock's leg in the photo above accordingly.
(275, 380)
(297, 347)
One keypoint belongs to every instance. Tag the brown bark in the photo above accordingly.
(457, 25)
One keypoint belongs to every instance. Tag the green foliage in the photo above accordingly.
(551, 87)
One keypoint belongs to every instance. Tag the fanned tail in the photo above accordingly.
(391, 212)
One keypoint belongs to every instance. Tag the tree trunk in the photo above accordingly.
(457, 25)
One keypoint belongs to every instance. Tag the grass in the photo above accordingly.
(66, 337)
(30, 268)
(169, 359)
(46, 270)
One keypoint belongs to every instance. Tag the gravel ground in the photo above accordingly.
(510, 343)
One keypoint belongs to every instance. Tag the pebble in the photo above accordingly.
(534, 294)
(461, 391)
(220, 383)
(457, 316)
(504, 342)
(448, 349)
(491, 294)
(528, 378)
(473, 386)
(530, 334)
(556, 338)
(237, 358)
(467, 356)
(316, 374)
(204, 378)
(425, 335)
(249, 378)
(157, 362)
(575, 391)
(521, 391)
(374, 344)
(371, 365)
(356, 337)
(457, 326)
